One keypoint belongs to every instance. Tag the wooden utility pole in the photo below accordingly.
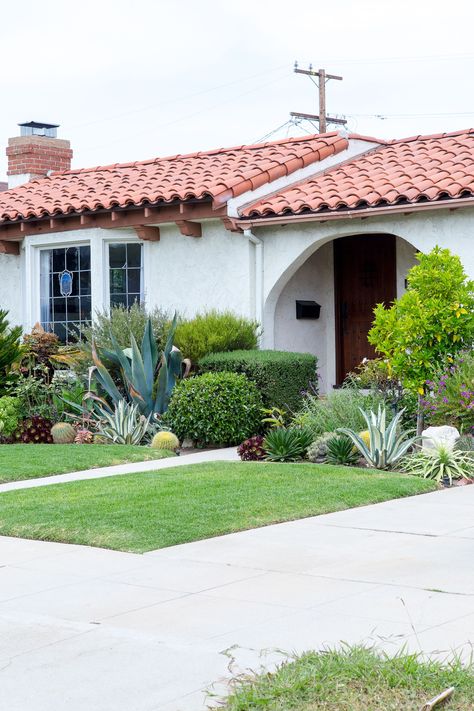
(321, 117)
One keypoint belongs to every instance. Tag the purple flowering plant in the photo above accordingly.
(449, 396)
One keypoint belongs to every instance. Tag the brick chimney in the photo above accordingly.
(36, 152)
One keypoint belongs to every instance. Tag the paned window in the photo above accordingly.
(65, 291)
(125, 273)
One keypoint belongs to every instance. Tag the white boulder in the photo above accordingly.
(434, 436)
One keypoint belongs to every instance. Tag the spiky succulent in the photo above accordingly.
(386, 444)
(340, 450)
(287, 445)
(35, 430)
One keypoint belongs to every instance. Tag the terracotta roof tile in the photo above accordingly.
(408, 170)
(218, 175)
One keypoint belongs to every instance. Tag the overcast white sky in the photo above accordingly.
(133, 80)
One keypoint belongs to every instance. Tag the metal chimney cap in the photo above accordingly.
(39, 128)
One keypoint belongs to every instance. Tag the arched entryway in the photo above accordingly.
(347, 276)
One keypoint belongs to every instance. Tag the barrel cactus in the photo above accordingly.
(63, 433)
(165, 440)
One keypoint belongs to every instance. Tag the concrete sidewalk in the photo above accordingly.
(84, 628)
(208, 455)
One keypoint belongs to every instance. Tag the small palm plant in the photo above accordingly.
(386, 446)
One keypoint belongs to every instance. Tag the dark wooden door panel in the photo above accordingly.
(365, 275)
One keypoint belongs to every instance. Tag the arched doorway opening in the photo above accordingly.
(347, 275)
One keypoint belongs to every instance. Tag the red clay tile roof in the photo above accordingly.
(219, 174)
(416, 169)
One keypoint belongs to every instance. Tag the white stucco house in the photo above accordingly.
(304, 234)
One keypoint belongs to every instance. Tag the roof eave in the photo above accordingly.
(261, 221)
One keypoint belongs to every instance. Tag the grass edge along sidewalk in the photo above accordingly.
(150, 510)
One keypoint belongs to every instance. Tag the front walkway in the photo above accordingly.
(84, 628)
(207, 455)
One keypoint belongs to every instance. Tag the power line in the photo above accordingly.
(176, 100)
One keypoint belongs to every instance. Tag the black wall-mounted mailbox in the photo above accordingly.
(307, 309)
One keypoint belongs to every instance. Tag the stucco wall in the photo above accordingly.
(314, 281)
(191, 274)
(182, 273)
(11, 288)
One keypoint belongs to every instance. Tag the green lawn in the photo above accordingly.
(28, 461)
(355, 679)
(141, 512)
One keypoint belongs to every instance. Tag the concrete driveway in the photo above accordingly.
(84, 628)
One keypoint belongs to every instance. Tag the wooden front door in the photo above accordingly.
(365, 275)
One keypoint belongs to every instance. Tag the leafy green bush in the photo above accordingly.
(9, 415)
(215, 331)
(286, 445)
(215, 409)
(430, 323)
(280, 376)
(339, 408)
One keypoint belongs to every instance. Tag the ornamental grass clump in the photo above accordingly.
(214, 331)
(441, 463)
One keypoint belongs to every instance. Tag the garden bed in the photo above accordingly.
(141, 512)
(28, 461)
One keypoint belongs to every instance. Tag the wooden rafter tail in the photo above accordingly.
(189, 229)
(9, 247)
(147, 233)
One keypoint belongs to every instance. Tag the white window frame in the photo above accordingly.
(98, 240)
(126, 239)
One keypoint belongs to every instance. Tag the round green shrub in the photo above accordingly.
(215, 409)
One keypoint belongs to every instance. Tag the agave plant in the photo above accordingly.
(286, 445)
(124, 424)
(441, 463)
(148, 378)
(340, 450)
(386, 445)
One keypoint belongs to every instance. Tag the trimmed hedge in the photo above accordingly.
(280, 376)
(215, 409)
